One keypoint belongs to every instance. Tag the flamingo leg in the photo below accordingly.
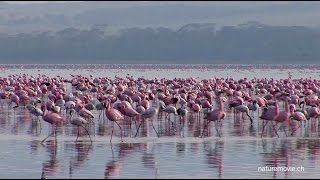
(87, 133)
(215, 124)
(264, 125)
(120, 130)
(39, 124)
(204, 126)
(249, 118)
(275, 129)
(55, 134)
(94, 125)
(77, 134)
(285, 132)
(154, 129)
(47, 137)
(297, 128)
(138, 129)
(130, 125)
(112, 131)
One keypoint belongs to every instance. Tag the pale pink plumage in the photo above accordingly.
(113, 115)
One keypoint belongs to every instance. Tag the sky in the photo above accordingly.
(32, 2)
(253, 3)
(232, 12)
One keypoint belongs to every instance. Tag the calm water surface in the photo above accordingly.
(178, 153)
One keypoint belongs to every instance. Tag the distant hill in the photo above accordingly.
(54, 16)
(250, 42)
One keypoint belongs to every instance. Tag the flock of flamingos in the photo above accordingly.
(131, 102)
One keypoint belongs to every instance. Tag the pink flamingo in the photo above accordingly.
(149, 113)
(283, 116)
(52, 118)
(14, 98)
(114, 116)
(196, 108)
(244, 109)
(85, 113)
(80, 122)
(280, 117)
(297, 115)
(269, 113)
(130, 112)
(140, 109)
(170, 110)
(215, 115)
(145, 103)
(314, 112)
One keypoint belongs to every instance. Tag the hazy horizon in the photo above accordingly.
(37, 30)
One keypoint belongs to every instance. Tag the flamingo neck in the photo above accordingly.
(287, 108)
(221, 105)
(45, 111)
(108, 106)
(276, 107)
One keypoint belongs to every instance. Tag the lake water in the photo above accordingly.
(177, 153)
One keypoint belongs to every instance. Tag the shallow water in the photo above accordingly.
(178, 153)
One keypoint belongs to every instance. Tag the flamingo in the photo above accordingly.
(162, 106)
(149, 113)
(283, 116)
(113, 115)
(298, 116)
(69, 105)
(303, 109)
(130, 112)
(182, 112)
(196, 108)
(170, 110)
(244, 109)
(14, 98)
(80, 122)
(100, 107)
(53, 119)
(85, 113)
(216, 114)
(36, 112)
(268, 114)
(253, 107)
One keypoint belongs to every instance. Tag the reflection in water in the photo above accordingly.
(51, 167)
(112, 169)
(313, 150)
(214, 156)
(102, 128)
(148, 158)
(4, 119)
(34, 146)
(83, 150)
(195, 147)
(126, 149)
(181, 149)
(284, 152)
(278, 156)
